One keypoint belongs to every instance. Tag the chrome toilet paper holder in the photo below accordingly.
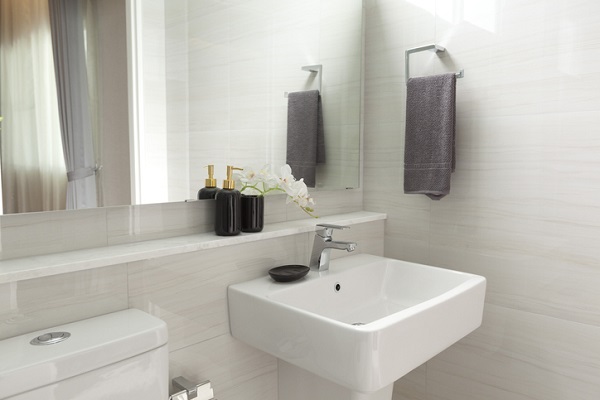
(188, 390)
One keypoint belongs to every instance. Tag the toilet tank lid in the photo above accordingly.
(94, 343)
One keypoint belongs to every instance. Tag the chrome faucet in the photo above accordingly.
(322, 245)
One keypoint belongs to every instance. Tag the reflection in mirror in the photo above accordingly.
(33, 167)
(212, 83)
(59, 122)
(208, 81)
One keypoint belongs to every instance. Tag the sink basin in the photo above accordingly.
(363, 324)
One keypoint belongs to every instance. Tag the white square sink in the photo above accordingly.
(363, 324)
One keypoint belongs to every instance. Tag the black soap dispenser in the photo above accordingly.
(210, 189)
(228, 212)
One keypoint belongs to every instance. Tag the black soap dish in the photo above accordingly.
(288, 273)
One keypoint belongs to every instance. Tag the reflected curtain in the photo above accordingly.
(33, 167)
(69, 41)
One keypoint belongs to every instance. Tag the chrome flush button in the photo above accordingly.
(50, 338)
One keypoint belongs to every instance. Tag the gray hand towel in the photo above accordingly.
(429, 141)
(305, 135)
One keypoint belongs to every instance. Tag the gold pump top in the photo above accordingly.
(229, 183)
(210, 182)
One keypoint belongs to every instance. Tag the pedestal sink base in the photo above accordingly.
(298, 384)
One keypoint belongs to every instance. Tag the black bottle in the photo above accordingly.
(210, 189)
(228, 211)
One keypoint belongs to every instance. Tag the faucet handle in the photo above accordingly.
(333, 226)
(328, 229)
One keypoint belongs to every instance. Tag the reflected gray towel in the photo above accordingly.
(305, 135)
(429, 141)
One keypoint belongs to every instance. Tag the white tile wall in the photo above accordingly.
(35, 304)
(519, 355)
(52, 232)
(155, 221)
(523, 208)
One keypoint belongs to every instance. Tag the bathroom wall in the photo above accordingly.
(188, 292)
(524, 204)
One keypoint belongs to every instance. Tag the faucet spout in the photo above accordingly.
(322, 245)
(348, 246)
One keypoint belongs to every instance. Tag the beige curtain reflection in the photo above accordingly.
(33, 166)
(69, 39)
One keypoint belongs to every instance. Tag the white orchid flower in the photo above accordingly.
(264, 181)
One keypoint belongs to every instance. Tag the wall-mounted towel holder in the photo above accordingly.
(433, 47)
(313, 69)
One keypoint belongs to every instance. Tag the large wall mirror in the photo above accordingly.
(175, 85)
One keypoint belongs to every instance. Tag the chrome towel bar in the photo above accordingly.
(433, 47)
(317, 69)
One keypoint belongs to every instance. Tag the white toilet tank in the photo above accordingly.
(117, 356)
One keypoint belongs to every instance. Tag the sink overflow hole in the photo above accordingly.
(337, 287)
(358, 323)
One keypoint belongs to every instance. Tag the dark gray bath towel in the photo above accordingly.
(429, 141)
(305, 135)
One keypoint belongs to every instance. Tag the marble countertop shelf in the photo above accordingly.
(58, 263)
